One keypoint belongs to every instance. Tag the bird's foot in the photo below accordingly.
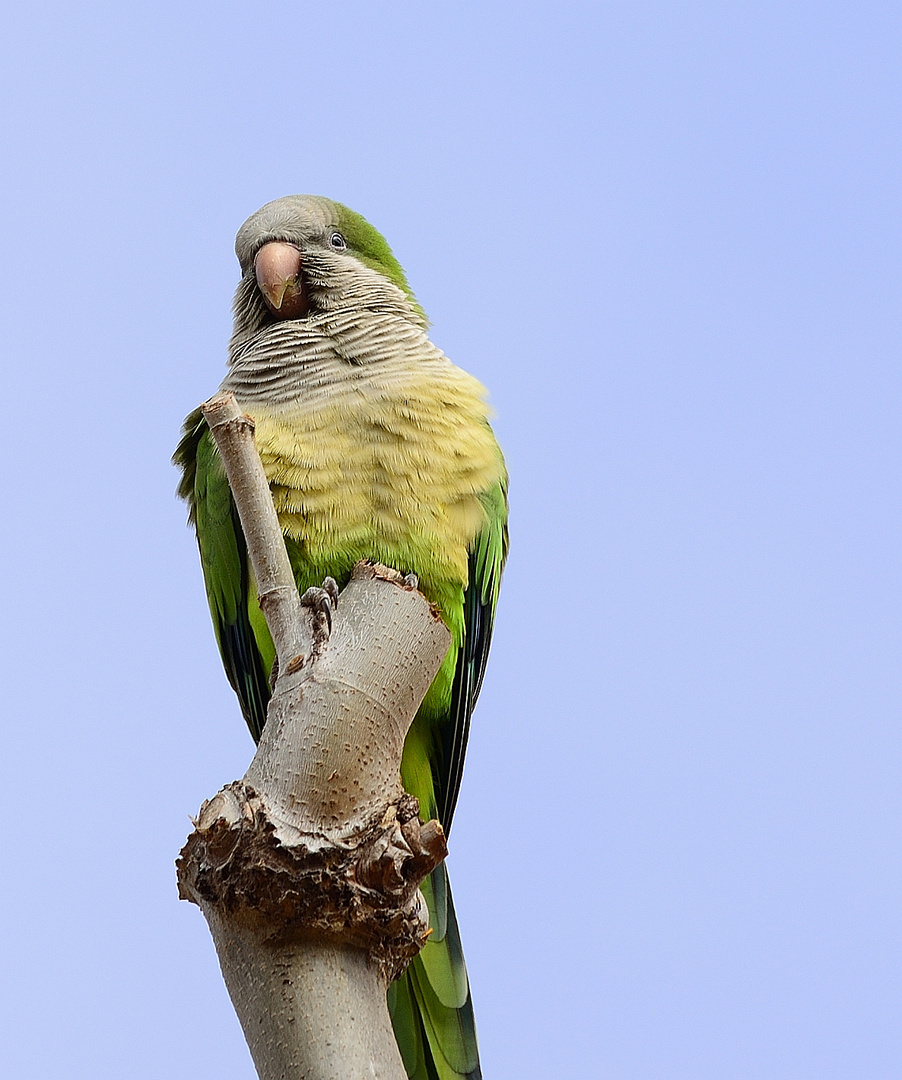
(412, 580)
(321, 599)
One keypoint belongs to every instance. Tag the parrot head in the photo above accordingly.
(304, 255)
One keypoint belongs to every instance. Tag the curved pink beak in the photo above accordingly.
(277, 267)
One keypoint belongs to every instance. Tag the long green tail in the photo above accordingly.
(430, 1004)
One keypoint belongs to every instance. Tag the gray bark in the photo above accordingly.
(307, 869)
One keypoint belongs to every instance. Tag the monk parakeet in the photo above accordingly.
(376, 447)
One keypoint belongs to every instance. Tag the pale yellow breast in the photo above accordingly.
(391, 463)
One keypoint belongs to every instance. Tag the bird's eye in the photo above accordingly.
(337, 241)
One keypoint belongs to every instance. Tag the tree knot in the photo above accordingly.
(361, 888)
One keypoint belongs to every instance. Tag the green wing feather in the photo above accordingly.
(485, 563)
(430, 1004)
(431, 1009)
(223, 556)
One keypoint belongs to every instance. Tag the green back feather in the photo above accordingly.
(371, 248)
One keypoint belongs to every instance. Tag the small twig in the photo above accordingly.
(276, 589)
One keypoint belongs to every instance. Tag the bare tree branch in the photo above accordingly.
(307, 869)
(278, 595)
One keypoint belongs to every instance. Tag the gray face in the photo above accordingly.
(297, 219)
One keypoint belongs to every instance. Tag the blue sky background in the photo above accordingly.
(666, 236)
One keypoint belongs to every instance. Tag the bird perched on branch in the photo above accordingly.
(375, 447)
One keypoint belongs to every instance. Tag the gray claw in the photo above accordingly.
(321, 599)
(412, 580)
(331, 587)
